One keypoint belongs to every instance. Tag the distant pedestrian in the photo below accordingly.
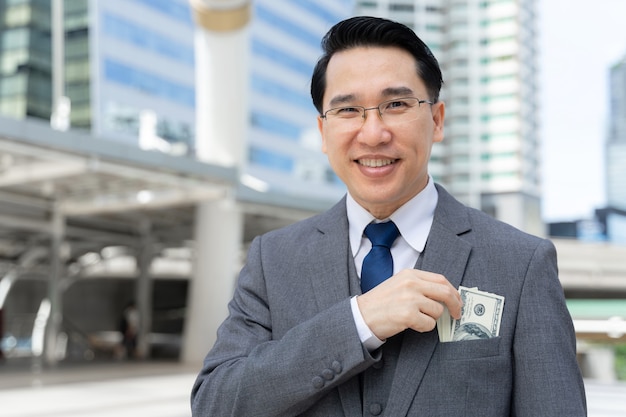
(129, 327)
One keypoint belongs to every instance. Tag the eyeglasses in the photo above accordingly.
(392, 112)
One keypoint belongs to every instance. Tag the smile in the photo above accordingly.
(375, 163)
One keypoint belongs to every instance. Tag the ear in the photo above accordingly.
(439, 114)
(320, 127)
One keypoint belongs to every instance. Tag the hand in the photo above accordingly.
(411, 299)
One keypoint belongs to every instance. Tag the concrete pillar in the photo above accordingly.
(61, 106)
(599, 363)
(51, 353)
(222, 80)
(221, 129)
(217, 243)
(143, 290)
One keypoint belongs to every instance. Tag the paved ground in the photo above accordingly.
(156, 389)
(120, 389)
(606, 399)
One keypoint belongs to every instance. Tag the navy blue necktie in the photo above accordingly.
(378, 263)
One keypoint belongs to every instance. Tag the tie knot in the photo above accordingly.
(382, 234)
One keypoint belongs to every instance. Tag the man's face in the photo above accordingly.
(383, 164)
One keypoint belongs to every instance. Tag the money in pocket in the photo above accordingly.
(480, 316)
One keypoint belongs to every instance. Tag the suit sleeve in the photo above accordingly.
(547, 379)
(250, 372)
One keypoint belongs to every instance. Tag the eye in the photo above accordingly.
(396, 105)
(347, 112)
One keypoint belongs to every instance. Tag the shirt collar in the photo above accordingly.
(413, 219)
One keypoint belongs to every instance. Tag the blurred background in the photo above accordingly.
(145, 143)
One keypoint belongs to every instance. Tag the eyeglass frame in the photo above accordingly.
(380, 113)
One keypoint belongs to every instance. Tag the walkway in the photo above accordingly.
(124, 389)
(100, 390)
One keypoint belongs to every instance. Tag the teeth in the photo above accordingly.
(374, 163)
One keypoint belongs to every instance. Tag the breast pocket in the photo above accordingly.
(469, 349)
(467, 378)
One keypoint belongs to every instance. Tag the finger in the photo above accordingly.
(438, 288)
(423, 323)
(431, 308)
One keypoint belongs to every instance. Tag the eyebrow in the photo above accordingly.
(341, 99)
(386, 93)
(397, 91)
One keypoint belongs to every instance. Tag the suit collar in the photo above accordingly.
(414, 219)
(451, 214)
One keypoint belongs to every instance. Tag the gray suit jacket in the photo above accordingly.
(290, 346)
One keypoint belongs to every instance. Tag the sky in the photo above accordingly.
(579, 41)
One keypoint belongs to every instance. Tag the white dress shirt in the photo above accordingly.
(413, 220)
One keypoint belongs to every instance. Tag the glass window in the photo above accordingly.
(291, 28)
(80, 115)
(148, 83)
(313, 7)
(401, 7)
(127, 31)
(15, 38)
(76, 47)
(271, 88)
(77, 71)
(286, 60)
(176, 9)
(77, 92)
(275, 125)
(434, 9)
(13, 106)
(270, 159)
(18, 15)
(14, 85)
(11, 60)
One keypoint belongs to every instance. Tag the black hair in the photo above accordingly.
(374, 31)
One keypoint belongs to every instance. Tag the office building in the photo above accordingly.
(489, 158)
(616, 142)
(25, 59)
(123, 62)
(129, 75)
(284, 142)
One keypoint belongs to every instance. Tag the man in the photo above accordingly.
(303, 338)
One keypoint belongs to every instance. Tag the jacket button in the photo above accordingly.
(376, 409)
(328, 374)
(336, 366)
(318, 382)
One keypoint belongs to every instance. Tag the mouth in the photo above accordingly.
(375, 163)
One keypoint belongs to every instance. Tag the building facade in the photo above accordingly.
(129, 75)
(284, 142)
(616, 142)
(25, 59)
(489, 158)
(126, 66)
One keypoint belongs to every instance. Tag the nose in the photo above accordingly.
(373, 131)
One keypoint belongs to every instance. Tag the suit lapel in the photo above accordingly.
(447, 254)
(329, 255)
(335, 279)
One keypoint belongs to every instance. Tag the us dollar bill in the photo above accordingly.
(480, 316)
(444, 325)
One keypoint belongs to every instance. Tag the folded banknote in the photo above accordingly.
(480, 317)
